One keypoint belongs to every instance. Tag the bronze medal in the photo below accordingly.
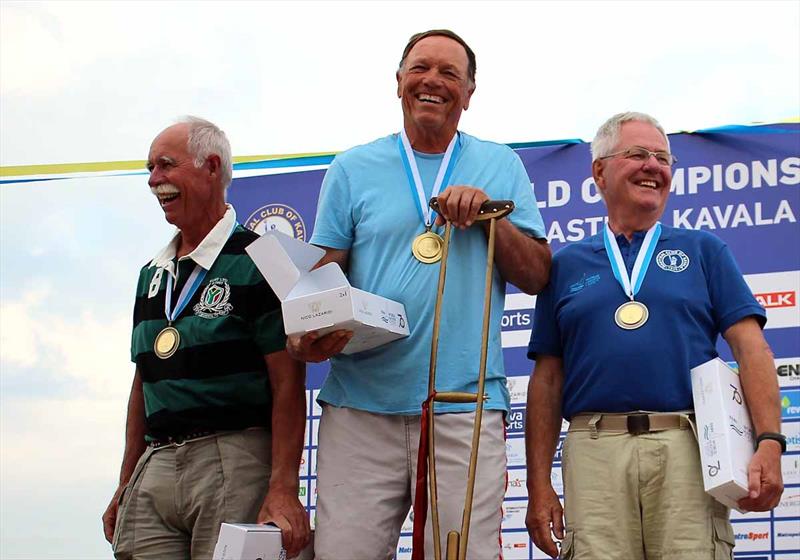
(427, 247)
(167, 342)
(631, 315)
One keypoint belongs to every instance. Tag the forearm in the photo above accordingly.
(543, 422)
(757, 375)
(521, 259)
(135, 429)
(288, 424)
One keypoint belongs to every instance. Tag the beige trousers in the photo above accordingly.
(178, 496)
(366, 476)
(640, 497)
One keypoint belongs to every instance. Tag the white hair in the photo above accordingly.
(205, 139)
(608, 134)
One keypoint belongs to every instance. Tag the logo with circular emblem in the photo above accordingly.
(277, 217)
(672, 260)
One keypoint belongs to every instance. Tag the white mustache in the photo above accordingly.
(166, 188)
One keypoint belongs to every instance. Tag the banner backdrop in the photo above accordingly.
(741, 183)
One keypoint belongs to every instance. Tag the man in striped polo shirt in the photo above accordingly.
(213, 382)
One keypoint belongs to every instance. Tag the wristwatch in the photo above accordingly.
(780, 438)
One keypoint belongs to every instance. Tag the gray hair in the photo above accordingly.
(205, 139)
(607, 135)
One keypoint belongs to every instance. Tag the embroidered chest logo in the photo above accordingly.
(584, 282)
(214, 300)
(672, 260)
(155, 283)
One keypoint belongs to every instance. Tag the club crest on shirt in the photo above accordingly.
(672, 260)
(277, 217)
(214, 300)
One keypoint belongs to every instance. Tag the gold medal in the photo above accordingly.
(427, 247)
(167, 342)
(631, 315)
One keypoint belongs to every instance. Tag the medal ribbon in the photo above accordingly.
(414, 180)
(192, 283)
(631, 285)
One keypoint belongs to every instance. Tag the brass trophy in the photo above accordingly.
(457, 541)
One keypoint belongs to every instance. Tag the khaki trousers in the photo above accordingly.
(640, 497)
(367, 471)
(178, 496)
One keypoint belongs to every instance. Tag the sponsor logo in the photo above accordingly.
(790, 404)
(788, 372)
(584, 282)
(516, 319)
(770, 300)
(752, 536)
(214, 300)
(404, 549)
(516, 421)
(518, 388)
(672, 260)
(277, 217)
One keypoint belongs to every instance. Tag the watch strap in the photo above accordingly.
(780, 438)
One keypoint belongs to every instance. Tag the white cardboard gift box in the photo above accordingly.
(322, 299)
(249, 541)
(724, 431)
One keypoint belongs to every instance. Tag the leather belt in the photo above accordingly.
(635, 423)
(177, 441)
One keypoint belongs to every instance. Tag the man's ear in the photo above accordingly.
(597, 174)
(470, 91)
(399, 78)
(214, 164)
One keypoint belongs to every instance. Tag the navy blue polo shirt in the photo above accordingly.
(693, 290)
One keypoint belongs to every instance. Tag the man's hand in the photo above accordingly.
(459, 205)
(282, 507)
(544, 511)
(311, 347)
(765, 478)
(110, 515)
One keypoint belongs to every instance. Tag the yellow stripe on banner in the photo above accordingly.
(132, 165)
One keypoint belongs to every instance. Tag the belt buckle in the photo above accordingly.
(638, 424)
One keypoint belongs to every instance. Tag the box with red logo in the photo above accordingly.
(322, 299)
(249, 541)
(724, 431)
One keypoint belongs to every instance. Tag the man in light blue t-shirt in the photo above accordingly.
(372, 206)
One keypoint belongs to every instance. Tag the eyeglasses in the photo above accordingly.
(637, 153)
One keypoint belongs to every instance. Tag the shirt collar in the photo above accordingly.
(597, 239)
(206, 252)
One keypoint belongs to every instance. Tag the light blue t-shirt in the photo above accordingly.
(368, 207)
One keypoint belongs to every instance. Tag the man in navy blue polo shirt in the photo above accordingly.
(627, 314)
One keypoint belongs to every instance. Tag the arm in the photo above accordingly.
(521, 259)
(134, 447)
(311, 347)
(760, 387)
(542, 427)
(281, 504)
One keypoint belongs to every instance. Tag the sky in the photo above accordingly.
(90, 82)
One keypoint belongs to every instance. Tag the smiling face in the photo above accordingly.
(635, 192)
(190, 196)
(434, 87)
